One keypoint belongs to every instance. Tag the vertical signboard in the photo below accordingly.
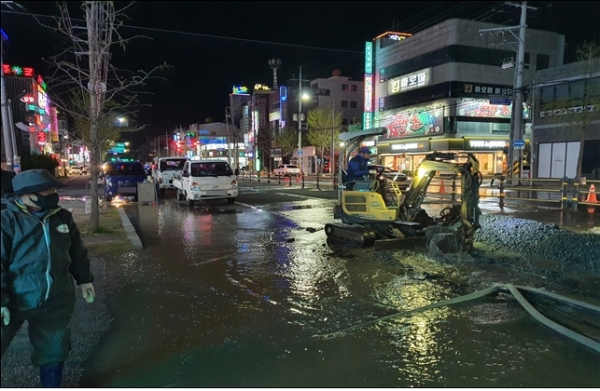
(368, 103)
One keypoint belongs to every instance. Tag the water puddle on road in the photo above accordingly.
(258, 299)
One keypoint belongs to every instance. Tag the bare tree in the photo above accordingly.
(323, 129)
(264, 140)
(108, 88)
(109, 127)
(581, 112)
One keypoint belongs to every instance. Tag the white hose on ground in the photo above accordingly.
(547, 322)
(479, 294)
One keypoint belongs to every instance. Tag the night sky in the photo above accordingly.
(212, 46)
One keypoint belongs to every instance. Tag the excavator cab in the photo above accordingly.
(374, 210)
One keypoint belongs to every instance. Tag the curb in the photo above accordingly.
(131, 234)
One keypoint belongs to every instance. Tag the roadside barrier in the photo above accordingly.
(564, 193)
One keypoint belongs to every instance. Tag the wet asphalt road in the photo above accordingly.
(250, 295)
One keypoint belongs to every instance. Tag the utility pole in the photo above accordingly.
(300, 121)
(515, 155)
(6, 128)
(332, 160)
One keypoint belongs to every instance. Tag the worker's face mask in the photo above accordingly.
(45, 202)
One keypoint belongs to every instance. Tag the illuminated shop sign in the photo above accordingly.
(407, 146)
(481, 108)
(368, 120)
(368, 93)
(487, 144)
(368, 57)
(413, 122)
(409, 82)
(15, 70)
(283, 93)
(471, 88)
(393, 35)
(260, 87)
(240, 90)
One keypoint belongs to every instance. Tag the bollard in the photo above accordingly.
(302, 175)
(575, 196)
(258, 176)
(290, 181)
(269, 177)
(501, 195)
(318, 188)
(335, 181)
(565, 183)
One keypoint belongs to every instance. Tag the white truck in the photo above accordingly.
(206, 180)
(164, 170)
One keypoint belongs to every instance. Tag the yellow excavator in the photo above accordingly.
(375, 212)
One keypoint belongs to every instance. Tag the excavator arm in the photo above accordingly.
(470, 182)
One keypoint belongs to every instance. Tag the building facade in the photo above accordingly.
(566, 123)
(342, 94)
(432, 91)
(31, 114)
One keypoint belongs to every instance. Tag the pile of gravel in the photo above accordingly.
(546, 241)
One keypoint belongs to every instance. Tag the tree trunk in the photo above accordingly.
(91, 21)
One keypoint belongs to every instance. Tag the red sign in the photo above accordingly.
(28, 99)
(16, 70)
(42, 138)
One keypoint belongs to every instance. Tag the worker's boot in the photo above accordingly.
(51, 374)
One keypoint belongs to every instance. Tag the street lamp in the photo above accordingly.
(333, 124)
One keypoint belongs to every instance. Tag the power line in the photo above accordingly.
(198, 34)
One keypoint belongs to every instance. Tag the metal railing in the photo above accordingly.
(565, 193)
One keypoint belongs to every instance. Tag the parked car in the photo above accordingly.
(404, 181)
(121, 179)
(77, 170)
(286, 170)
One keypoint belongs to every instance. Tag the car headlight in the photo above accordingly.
(234, 184)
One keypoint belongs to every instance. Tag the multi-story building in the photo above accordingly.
(31, 114)
(566, 121)
(342, 94)
(432, 91)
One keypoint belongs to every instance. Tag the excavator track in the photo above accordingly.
(360, 236)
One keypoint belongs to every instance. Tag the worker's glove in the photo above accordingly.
(5, 316)
(88, 292)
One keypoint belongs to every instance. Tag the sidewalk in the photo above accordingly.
(90, 321)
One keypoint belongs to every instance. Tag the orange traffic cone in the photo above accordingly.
(442, 188)
(592, 194)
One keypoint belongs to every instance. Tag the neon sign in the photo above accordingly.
(368, 93)
(28, 99)
(16, 70)
(368, 57)
(261, 87)
(240, 90)
(41, 82)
